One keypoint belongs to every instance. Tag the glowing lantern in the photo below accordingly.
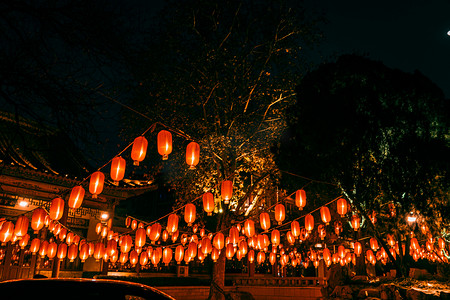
(249, 228)
(123, 258)
(356, 222)
(430, 246)
(342, 206)
(134, 225)
(172, 223)
(51, 250)
(251, 256)
(164, 141)
(441, 244)
(272, 258)
(275, 237)
(6, 232)
(179, 254)
(279, 213)
(326, 254)
(239, 254)
(38, 219)
(62, 234)
(230, 251)
(134, 258)
(139, 149)
(370, 256)
(126, 244)
(117, 168)
(322, 231)
(57, 209)
(21, 227)
(358, 248)
(155, 232)
(140, 237)
(98, 228)
(295, 228)
(24, 241)
(96, 183)
(233, 235)
(43, 249)
(208, 203)
(325, 215)
(341, 251)
(390, 240)
(264, 220)
(72, 253)
(226, 191)
(300, 199)
(104, 232)
(76, 197)
(309, 223)
(111, 247)
(192, 154)
(57, 229)
(374, 244)
(84, 252)
(215, 253)
(243, 247)
(189, 214)
(192, 250)
(143, 259)
(175, 236)
(218, 241)
(62, 251)
(206, 246)
(99, 251)
(290, 238)
(128, 222)
(261, 257)
(35, 244)
(165, 235)
(337, 227)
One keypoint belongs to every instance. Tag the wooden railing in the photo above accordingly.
(280, 281)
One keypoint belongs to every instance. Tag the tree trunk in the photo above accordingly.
(218, 278)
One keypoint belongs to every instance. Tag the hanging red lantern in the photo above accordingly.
(249, 228)
(192, 154)
(24, 241)
(243, 247)
(134, 225)
(322, 231)
(140, 238)
(38, 219)
(358, 249)
(128, 222)
(230, 251)
(62, 233)
(215, 253)
(441, 243)
(56, 209)
(374, 244)
(192, 250)
(326, 254)
(139, 149)
(189, 214)
(264, 220)
(208, 203)
(167, 256)
(111, 247)
(325, 215)
(125, 245)
(35, 244)
(99, 251)
(261, 257)
(134, 257)
(62, 251)
(295, 228)
(6, 231)
(51, 250)
(341, 251)
(143, 258)
(43, 249)
(179, 254)
(84, 252)
(251, 256)
(172, 223)
(309, 223)
(206, 245)
(155, 232)
(226, 191)
(272, 258)
(233, 235)
(72, 253)
(356, 222)
(290, 238)
(342, 206)
(275, 237)
(300, 199)
(391, 240)
(337, 227)
(117, 168)
(76, 197)
(96, 183)
(219, 241)
(164, 143)
(123, 258)
(21, 227)
(279, 213)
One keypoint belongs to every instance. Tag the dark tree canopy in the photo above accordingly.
(380, 134)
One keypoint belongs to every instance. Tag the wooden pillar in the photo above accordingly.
(251, 269)
(275, 269)
(32, 266)
(7, 261)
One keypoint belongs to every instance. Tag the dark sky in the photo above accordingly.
(407, 35)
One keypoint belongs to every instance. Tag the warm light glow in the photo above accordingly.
(23, 203)
(104, 216)
(411, 219)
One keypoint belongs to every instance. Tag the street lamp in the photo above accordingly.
(411, 219)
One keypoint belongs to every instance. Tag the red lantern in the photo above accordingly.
(56, 209)
(309, 223)
(295, 228)
(167, 256)
(140, 238)
(189, 214)
(249, 228)
(111, 247)
(218, 241)
(264, 220)
(272, 258)
(179, 254)
(172, 223)
(251, 256)
(164, 143)
(374, 244)
(192, 154)
(24, 241)
(233, 235)
(261, 257)
(155, 232)
(99, 250)
(134, 258)
(206, 246)
(38, 219)
(290, 238)
(208, 203)
(342, 206)
(325, 215)
(51, 250)
(6, 231)
(21, 227)
(300, 199)
(341, 251)
(275, 237)
(123, 258)
(139, 150)
(62, 251)
(143, 259)
(43, 249)
(322, 231)
(96, 183)
(358, 248)
(356, 222)
(192, 250)
(415, 244)
(326, 254)
(134, 224)
(117, 168)
(243, 247)
(126, 244)
(279, 213)
(84, 252)
(226, 191)
(35, 244)
(390, 240)
(76, 197)
(215, 253)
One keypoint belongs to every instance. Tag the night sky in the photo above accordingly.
(406, 35)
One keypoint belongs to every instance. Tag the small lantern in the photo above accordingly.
(300, 199)
(325, 215)
(62, 251)
(51, 250)
(117, 168)
(272, 258)
(342, 206)
(290, 238)
(356, 222)
(192, 250)
(249, 228)
(251, 256)
(99, 250)
(275, 237)
(35, 244)
(215, 253)
(38, 219)
(374, 244)
(76, 197)
(295, 228)
(134, 225)
(155, 232)
(243, 247)
(192, 154)
(233, 235)
(218, 241)
(230, 251)
(84, 252)
(96, 183)
(123, 258)
(21, 227)
(167, 256)
(24, 241)
(208, 203)
(139, 150)
(261, 257)
(164, 143)
(143, 258)
(326, 254)
(226, 191)
(309, 223)
(279, 213)
(172, 223)
(322, 231)
(43, 249)
(179, 254)
(264, 220)
(140, 238)
(134, 257)
(358, 249)
(56, 209)
(126, 244)
(189, 214)
(341, 251)
(206, 245)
